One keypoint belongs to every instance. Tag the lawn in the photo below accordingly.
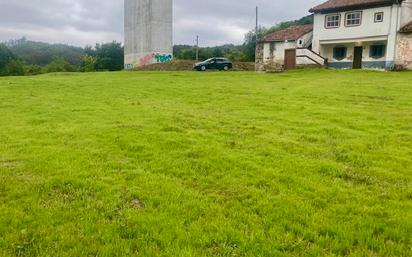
(303, 163)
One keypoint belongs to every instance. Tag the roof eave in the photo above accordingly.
(292, 39)
(276, 40)
(353, 7)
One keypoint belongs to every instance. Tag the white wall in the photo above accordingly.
(305, 40)
(368, 27)
(278, 51)
(305, 60)
(406, 14)
(266, 52)
(327, 51)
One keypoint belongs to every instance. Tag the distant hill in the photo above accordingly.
(42, 54)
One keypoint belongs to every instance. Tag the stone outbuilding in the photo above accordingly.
(287, 48)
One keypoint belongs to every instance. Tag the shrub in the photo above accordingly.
(88, 64)
(6, 56)
(14, 68)
(58, 65)
(33, 69)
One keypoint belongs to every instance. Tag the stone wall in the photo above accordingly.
(404, 51)
(259, 61)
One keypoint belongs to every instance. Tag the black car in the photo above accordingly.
(214, 63)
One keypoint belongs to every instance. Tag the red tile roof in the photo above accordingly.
(335, 5)
(293, 32)
(407, 28)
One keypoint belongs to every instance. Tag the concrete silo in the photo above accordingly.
(148, 32)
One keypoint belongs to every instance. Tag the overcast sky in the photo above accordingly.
(82, 22)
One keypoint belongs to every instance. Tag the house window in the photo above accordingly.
(339, 53)
(353, 19)
(377, 51)
(332, 21)
(379, 17)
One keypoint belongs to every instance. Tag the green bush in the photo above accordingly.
(33, 69)
(59, 65)
(14, 68)
(6, 56)
(88, 64)
(108, 56)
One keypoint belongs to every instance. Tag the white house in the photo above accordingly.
(346, 34)
(363, 33)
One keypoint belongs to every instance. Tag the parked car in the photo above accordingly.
(214, 63)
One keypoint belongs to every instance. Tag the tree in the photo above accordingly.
(33, 69)
(217, 51)
(6, 56)
(109, 56)
(249, 46)
(233, 52)
(43, 53)
(59, 65)
(14, 68)
(283, 25)
(88, 64)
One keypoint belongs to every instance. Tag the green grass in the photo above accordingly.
(304, 163)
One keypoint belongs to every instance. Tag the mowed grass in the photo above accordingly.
(304, 163)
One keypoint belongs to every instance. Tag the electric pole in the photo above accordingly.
(257, 36)
(197, 48)
(257, 24)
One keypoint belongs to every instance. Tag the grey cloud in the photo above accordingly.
(82, 22)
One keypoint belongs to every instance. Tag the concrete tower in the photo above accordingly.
(148, 32)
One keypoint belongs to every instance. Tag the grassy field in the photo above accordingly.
(304, 163)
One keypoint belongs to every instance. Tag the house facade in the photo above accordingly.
(369, 34)
(363, 33)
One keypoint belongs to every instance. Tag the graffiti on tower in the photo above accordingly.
(150, 59)
(160, 58)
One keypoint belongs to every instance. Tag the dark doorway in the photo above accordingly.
(357, 57)
(290, 59)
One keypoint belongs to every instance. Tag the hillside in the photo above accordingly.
(44, 53)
